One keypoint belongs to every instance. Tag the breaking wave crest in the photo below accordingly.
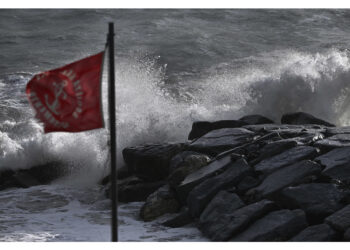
(150, 111)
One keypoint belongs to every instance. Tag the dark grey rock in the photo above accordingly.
(247, 183)
(338, 130)
(201, 174)
(275, 148)
(286, 158)
(318, 200)
(255, 119)
(220, 140)
(300, 118)
(134, 189)
(223, 218)
(200, 128)
(276, 226)
(189, 165)
(285, 177)
(179, 220)
(321, 232)
(201, 195)
(340, 220)
(151, 162)
(337, 163)
(335, 141)
(347, 235)
(159, 203)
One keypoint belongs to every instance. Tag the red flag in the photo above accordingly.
(69, 98)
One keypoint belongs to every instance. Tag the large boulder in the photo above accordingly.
(151, 162)
(274, 148)
(190, 164)
(200, 128)
(255, 119)
(202, 174)
(316, 233)
(318, 200)
(201, 195)
(225, 217)
(276, 226)
(287, 176)
(179, 220)
(159, 203)
(337, 163)
(340, 220)
(285, 158)
(300, 118)
(220, 140)
(134, 189)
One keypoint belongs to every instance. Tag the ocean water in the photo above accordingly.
(173, 67)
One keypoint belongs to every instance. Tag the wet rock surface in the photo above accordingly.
(321, 232)
(199, 197)
(288, 157)
(276, 226)
(248, 181)
(159, 203)
(318, 200)
(221, 140)
(340, 220)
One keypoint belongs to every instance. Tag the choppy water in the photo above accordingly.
(172, 67)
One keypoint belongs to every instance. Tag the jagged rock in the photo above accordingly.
(318, 200)
(347, 235)
(321, 232)
(179, 220)
(335, 141)
(337, 163)
(201, 174)
(285, 177)
(220, 140)
(225, 217)
(286, 158)
(276, 226)
(201, 195)
(151, 162)
(247, 183)
(200, 128)
(190, 164)
(340, 220)
(275, 148)
(159, 203)
(134, 189)
(255, 119)
(300, 118)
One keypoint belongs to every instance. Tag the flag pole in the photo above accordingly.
(112, 127)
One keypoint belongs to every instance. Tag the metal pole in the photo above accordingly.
(112, 127)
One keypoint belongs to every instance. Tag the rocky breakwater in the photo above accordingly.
(248, 180)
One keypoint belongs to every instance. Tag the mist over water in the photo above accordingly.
(173, 67)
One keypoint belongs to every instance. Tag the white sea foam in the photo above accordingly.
(149, 112)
